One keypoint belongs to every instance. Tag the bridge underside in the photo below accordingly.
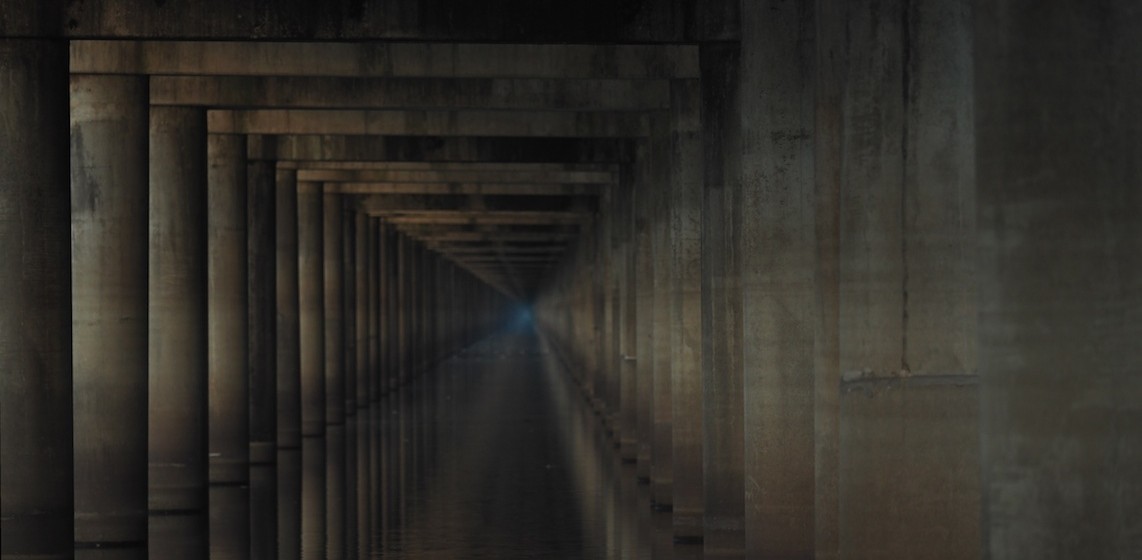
(855, 279)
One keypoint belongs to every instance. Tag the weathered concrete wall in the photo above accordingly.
(1059, 97)
(907, 283)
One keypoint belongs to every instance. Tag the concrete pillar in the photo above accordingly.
(627, 321)
(227, 323)
(177, 380)
(349, 303)
(686, 186)
(777, 275)
(334, 306)
(361, 232)
(261, 299)
(907, 315)
(311, 306)
(662, 448)
(644, 302)
(404, 308)
(723, 441)
(828, 146)
(372, 317)
(383, 344)
(392, 318)
(109, 116)
(288, 329)
(36, 507)
(1060, 277)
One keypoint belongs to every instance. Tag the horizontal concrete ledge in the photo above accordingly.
(455, 176)
(465, 166)
(507, 94)
(862, 380)
(435, 123)
(492, 189)
(450, 149)
(383, 59)
(442, 217)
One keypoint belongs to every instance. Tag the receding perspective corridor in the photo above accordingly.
(593, 279)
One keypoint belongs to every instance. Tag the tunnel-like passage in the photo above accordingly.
(419, 278)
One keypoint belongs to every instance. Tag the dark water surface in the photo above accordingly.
(493, 455)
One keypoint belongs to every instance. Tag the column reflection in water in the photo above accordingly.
(230, 521)
(289, 504)
(178, 534)
(335, 546)
(363, 531)
(313, 498)
(263, 511)
(352, 547)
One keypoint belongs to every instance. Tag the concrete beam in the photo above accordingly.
(469, 149)
(459, 217)
(399, 203)
(468, 166)
(383, 59)
(475, 189)
(514, 94)
(445, 237)
(438, 123)
(456, 176)
(482, 249)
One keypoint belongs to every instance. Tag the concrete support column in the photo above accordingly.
(723, 442)
(602, 275)
(349, 306)
(311, 306)
(371, 314)
(644, 308)
(1060, 277)
(261, 299)
(662, 447)
(288, 330)
(334, 306)
(361, 312)
(392, 318)
(109, 116)
(405, 308)
(907, 298)
(828, 148)
(777, 272)
(627, 320)
(177, 381)
(686, 182)
(36, 468)
(227, 323)
(384, 345)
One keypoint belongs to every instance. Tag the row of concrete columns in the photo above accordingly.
(180, 311)
(872, 280)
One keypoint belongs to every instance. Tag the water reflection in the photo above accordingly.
(230, 522)
(493, 455)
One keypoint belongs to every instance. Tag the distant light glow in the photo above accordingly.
(522, 317)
